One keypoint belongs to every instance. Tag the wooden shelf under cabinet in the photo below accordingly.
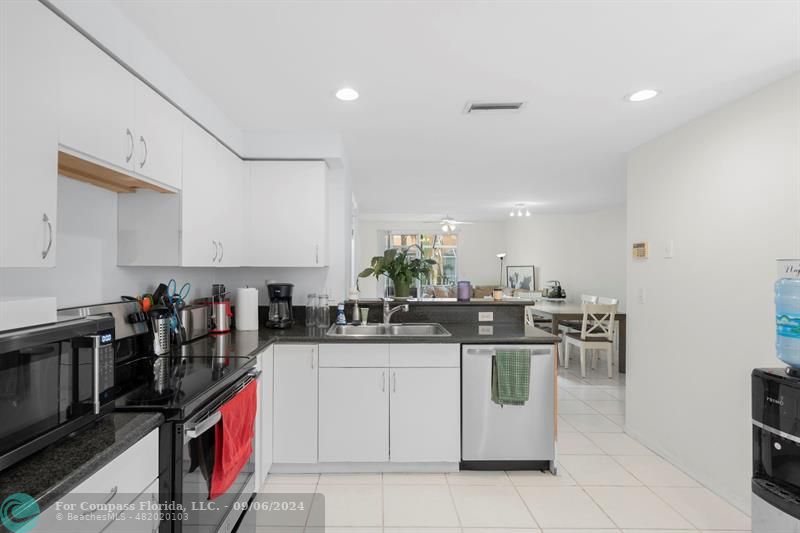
(79, 169)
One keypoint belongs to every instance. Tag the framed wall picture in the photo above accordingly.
(521, 277)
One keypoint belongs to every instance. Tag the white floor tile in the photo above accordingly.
(590, 393)
(617, 419)
(597, 470)
(619, 394)
(276, 488)
(478, 477)
(637, 508)
(576, 443)
(704, 509)
(414, 479)
(418, 506)
(535, 478)
(352, 505)
(299, 479)
(564, 507)
(497, 530)
(565, 394)
(491, 506)
(654, 471)
(618, 444)
(584, 531)
(608, 407)
(564, 426)
(350, 479)
(293, 493)
(421, 530)
(592, 423)
(575, 407)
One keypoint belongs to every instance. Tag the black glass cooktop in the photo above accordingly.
(182, 384)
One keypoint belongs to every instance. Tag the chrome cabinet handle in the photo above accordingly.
(312, 358)
(144, 143)
(114, 490)
(316, 254)
(394, 381)
(46, 250)
(216, 252)
(130, 152)
(222, 252)
(383, 381)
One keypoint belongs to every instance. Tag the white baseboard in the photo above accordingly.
(361, 468)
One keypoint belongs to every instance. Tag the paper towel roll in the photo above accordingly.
(246, 309)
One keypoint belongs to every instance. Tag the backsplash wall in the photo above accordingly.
(86, 258)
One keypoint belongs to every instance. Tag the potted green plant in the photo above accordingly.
(399, 268)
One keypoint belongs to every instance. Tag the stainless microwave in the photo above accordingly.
(54, 379)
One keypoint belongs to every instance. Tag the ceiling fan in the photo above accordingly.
(448, 223)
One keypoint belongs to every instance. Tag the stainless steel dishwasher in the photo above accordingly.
(511, 437)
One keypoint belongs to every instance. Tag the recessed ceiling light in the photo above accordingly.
(642, 95)
(347, 94)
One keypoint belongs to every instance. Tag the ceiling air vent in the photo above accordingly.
(495, 107)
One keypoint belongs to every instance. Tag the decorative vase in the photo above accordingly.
(402, 288)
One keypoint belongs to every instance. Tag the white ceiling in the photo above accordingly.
(274, 65)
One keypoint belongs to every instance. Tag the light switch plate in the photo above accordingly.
(487, 316)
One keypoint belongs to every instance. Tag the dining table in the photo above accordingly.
(558, 312)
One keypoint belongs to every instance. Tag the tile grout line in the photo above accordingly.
(453, 501)
(530, 512)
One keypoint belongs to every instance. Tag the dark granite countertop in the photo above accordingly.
(473, 333)
(54, 471)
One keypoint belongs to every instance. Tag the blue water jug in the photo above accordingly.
(787, 321)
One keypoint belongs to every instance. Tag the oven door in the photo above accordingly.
(196, 466)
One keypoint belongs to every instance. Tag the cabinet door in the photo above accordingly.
(142, 516)
(425, 415)
(96, 103)
(157, 137)
(287, 221)
(265, 415)
(353, 415)
(295, 404)
(199, 198)
(230, 184)
(28, 134)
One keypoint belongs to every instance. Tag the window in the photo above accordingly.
(442, 248)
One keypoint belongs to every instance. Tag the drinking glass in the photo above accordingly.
(311, 310)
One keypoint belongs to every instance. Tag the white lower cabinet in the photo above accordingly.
(353, 415)
(264, 417)
(295, 403)
(143, 516)
(130, 477)
(425, 415)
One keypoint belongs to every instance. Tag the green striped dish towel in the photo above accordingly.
(511, 377)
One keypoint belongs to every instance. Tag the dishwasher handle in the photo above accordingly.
(489, 352)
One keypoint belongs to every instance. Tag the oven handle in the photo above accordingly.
(96, 374)
(192, 431)
(195, 430)
(491, 352)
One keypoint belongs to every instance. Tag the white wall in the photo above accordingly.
(584, 251)
(726, 189)
(86, 271)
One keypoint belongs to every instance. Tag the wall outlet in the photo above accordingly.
(487, 316)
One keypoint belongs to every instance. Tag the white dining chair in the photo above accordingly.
(597, 333)
(571, 326)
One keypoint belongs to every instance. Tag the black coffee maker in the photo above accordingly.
(280, 305)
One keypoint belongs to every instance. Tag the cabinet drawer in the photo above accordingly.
(353, 355)
(127, 475)
(424, 355)
(143, 518)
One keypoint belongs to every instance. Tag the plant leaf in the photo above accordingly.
(367, 272)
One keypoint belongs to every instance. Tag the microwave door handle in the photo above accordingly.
(96, 376)
(193, 431)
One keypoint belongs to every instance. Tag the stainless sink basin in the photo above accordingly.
(391, 330)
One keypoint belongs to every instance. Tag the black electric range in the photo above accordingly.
(188, 387)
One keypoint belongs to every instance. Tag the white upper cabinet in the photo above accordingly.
(28, 135)
(230, 199)
(96, 103)
(110, 117)
(287, 214)
(158, 133)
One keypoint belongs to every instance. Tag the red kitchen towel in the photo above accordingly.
(234, 439)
